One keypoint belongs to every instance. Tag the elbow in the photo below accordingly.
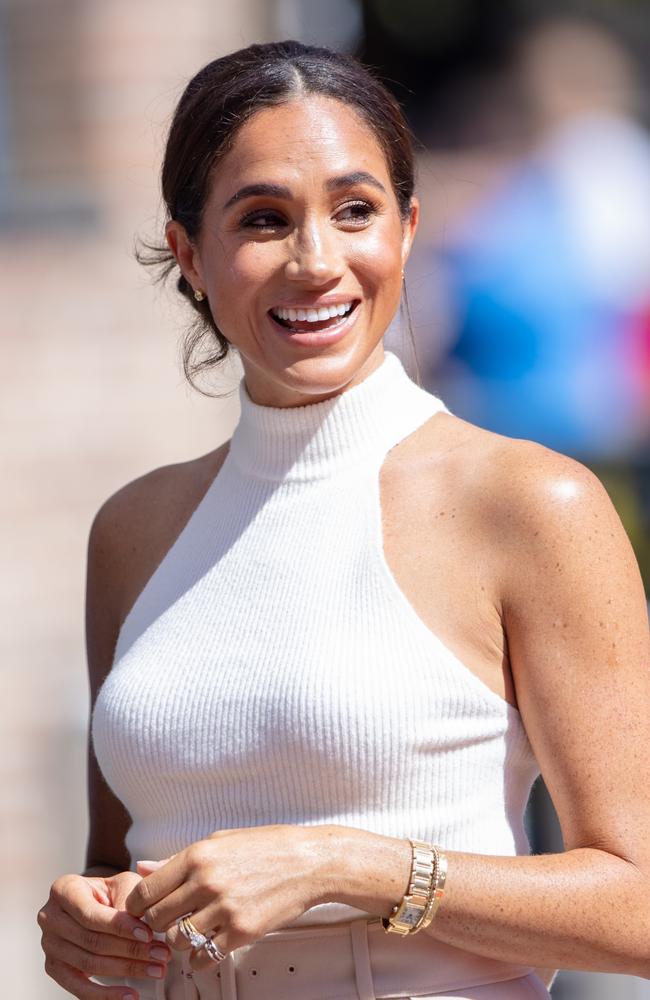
(630, 915)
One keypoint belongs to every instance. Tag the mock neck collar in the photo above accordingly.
(319, 439)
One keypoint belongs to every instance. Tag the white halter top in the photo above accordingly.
(272, 671)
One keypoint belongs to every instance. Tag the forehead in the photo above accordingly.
(304, 139)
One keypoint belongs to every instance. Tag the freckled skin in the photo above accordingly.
(516, 581)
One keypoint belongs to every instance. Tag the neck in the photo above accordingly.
(323, 438)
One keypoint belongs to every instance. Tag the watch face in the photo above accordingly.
(410, 915)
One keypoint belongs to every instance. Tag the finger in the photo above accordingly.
(153, 865)
(200, 959)
(121, 888)
(77, 900)
(205, 921)
(147, 867)
(89, 964)
(156, 886)
(101, 894)
(186, 900)
(78, 985)
(68, 930)
(235, 928)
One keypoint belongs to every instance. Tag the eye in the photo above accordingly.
(263, 220)
(357, 213)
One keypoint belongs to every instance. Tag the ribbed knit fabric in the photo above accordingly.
(272, 671)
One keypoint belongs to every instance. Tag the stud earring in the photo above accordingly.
(199, 295)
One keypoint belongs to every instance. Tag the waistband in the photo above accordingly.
(353, 960)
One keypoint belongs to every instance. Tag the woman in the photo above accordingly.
(360, 624)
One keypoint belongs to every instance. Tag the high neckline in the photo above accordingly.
(319, 439)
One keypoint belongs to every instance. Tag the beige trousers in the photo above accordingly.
(354, 960)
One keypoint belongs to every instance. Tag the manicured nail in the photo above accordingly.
(140, 933)
(160, 954)
(155, 971)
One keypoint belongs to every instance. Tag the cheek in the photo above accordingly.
(238, 277)
(379, 256)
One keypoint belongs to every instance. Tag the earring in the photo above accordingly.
(199, 295)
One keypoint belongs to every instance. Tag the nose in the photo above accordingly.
(315, 256)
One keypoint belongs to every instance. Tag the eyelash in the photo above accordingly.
(248, 221)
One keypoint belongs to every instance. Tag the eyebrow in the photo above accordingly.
(280, 191)
(356, 177)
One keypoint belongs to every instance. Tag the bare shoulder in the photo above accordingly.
(528, 480)
(153, 500)
(552, 536)
(553, 511)
(525, 490)
(135, 527)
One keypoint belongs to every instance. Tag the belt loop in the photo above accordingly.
(227, 978)
(361, 955)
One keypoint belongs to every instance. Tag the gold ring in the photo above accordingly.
(190, 933)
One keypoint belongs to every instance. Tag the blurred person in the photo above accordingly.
(549, 277)
(309, 761)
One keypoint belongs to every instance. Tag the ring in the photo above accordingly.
(190, 933)
(214, 951)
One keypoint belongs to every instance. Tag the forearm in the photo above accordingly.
(584, 909)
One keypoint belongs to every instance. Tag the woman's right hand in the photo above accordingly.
(87, 932)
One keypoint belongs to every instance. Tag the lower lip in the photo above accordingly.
(319, 338)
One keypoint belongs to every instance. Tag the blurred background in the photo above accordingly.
(528, 294)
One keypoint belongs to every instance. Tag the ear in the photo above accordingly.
(410, 227)
(186, 253)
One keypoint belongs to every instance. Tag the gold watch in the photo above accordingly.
(407, 917)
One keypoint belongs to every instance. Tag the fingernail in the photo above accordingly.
(160, 954)
(140, 933)
(155, 971)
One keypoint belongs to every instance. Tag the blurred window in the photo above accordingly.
(44, 180)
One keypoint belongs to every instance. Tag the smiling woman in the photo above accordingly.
(204, 129)
(329, 658)
(307, 225)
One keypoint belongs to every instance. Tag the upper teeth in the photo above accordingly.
(312, 315)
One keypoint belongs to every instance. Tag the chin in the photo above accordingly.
(329, 371)
(282, 373)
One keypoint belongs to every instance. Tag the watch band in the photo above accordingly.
(408, 916)
(438, 889)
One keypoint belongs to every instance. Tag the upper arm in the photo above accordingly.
(129, 536)
(577, 629)
(108, 819)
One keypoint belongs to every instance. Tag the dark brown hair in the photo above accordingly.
(216, 103)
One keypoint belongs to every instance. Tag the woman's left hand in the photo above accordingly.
(237, 885)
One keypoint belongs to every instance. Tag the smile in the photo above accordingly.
(312, 318)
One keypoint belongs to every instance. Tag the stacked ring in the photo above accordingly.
(214, 951)
(190, 933)
(198, 940)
